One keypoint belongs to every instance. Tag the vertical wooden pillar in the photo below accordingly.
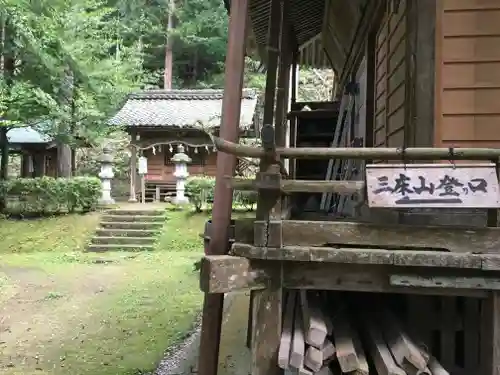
(223, 194)
(293, 100)
(25, 165)
(490, 335)
(133, 167)
(266, 304)
(38, 164)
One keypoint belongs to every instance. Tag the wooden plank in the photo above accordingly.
(363, 368)
(268, 233)
(328, 350)
(471, 334)
(298, 186)
(403, 349)
(225, 273)
(266, 330)
(342, 335)
(313, 359)
(316, 327)
(436, 368)
(358, 278)
(286, 334)
(298, 344)
(433, 185)
(448, 316)
(490, 335)
(404, 258)
(449, 282)
(454, 239)
(244, 230)
(381, 356)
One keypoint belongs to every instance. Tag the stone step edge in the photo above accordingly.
(152, 223)
(114, 247)
(146, 239)
(162, 217)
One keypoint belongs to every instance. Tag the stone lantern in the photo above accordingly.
(106, 175)
(181, 160)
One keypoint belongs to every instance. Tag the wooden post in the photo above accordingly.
(133, 167)
(490, 335)
(143, 188)
(266, 304)
(25, 164)
(38, 164)
(226, 164)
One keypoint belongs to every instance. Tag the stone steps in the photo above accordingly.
(134, 218)
(130, 225)
(123, 240)
(105, 232)
(101, 248)
(128, 230)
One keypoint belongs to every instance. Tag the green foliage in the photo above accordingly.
(201, 192)
(47, 195)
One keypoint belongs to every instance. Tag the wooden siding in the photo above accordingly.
(160, 169)
(390, 79)
(468, 73)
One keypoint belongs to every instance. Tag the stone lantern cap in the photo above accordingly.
(180, 156)
(106, 157)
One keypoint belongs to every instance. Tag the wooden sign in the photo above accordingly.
(432, 185)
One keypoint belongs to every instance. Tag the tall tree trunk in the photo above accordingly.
(64, 128)
(167, 76)
(4, 163)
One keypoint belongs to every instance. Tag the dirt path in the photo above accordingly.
(38, 309)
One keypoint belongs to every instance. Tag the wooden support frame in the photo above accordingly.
(224, 274)
(321, 233)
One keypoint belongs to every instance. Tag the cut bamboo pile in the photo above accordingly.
(332, 339)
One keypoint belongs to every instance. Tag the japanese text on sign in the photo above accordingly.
(432, 186)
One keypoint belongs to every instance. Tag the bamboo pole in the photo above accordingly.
(367, 153)
(298, 186)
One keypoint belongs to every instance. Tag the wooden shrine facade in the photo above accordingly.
(160, 120)
(394, 62)
(38, 152)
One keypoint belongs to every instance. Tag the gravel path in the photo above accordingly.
(183, 358)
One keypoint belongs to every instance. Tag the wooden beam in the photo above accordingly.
(366, 153)
(401, 258)
(297, 186)
(225, 273)
(454, 239)
(446, 282)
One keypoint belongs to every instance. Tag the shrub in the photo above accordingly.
(47, 195)
(246, 198)
(200, 190)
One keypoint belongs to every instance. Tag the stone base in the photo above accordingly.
(104, 202)
(180, 201)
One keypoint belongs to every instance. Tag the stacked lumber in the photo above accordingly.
(319, 337)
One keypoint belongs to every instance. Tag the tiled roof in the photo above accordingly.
(181, 108)
(27, 135)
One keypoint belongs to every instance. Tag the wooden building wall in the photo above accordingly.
(160, 167)
(391, 79)
(467, 73)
